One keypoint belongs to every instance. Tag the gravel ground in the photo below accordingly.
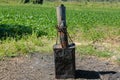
(41, 67)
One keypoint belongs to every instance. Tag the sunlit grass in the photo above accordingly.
(88, 22)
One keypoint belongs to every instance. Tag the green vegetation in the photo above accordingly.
(90, 50)
(30, 28)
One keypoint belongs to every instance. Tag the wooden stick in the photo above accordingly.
(61, 18)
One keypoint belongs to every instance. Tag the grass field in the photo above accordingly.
(26, 28)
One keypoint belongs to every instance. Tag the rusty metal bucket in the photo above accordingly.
(64, 62)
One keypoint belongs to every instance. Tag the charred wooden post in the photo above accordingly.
(64, 52)
(62, 29)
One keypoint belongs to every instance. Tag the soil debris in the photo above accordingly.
(38, 66)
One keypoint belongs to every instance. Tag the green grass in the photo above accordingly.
(29, 28)
(90, 50)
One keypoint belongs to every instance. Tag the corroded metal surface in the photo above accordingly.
(64, 62)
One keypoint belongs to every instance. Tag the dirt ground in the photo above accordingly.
(41, 67)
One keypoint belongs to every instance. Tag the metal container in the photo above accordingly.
(64, 62)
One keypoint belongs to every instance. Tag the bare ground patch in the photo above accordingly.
(41, 67)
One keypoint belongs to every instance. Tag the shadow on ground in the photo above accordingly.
(92, 74)
(17, 31)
